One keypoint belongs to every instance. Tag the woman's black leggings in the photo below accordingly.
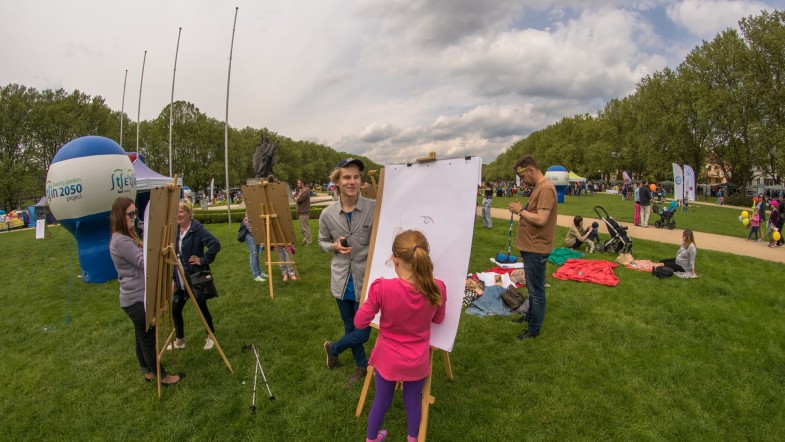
(177, 314)
(671, 262)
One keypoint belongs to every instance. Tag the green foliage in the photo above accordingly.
(723, 105)
(648, 359)
(738, 199)
(220, 217)
(34, 125)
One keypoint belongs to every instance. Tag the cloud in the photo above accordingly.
(389, 79)
(706, 18)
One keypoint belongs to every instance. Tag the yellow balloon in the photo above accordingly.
(776, 236)
(745, 214)
(745, 221)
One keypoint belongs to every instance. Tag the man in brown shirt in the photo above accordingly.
(536, 229)
(303, 200)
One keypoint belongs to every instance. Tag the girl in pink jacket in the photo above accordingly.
(409, 304)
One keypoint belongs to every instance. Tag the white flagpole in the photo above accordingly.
(226, 122)
(139, 106)
(171, 100)
(122, 108)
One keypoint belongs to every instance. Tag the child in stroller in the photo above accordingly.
(666, 216)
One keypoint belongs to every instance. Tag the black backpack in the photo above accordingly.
(662, 271)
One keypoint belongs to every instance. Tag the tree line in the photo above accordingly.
(35, 124)
(724, 104)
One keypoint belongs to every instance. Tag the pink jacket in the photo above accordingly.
(402, 351)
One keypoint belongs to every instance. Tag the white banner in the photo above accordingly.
(689, 183)
(212, 186)
(678, 182)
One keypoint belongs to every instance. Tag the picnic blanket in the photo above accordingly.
(641, 265)
(562, 254)
(489, 304)
(584, 270)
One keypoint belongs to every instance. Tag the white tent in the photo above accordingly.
(147, 178)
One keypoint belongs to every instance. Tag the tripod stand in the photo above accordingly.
(257, 370)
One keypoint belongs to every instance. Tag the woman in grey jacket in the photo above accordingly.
(127, 254)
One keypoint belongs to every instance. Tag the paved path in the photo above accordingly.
(708, 241)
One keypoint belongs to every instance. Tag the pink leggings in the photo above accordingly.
(412, 394)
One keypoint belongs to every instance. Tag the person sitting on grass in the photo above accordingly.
(685, 257)
(577, 236)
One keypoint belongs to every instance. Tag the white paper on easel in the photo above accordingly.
(438, 198)
(40, 229)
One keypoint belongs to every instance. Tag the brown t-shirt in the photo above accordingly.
(538, 239)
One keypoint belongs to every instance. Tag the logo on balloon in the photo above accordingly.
(71, 189)
(123, 181)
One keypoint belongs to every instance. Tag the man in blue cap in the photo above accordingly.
(345, 231)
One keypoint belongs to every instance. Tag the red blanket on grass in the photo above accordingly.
(598, 272)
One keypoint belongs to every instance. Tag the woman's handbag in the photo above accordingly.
(202, 285)
(241, 233)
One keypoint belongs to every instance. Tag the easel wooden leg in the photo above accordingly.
(427, 401)
(269, 258)
(364, 393)
(447, 365)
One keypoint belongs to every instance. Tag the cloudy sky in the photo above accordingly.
(390, 79)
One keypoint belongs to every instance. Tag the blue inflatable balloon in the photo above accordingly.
(560, 178)
(84, 178)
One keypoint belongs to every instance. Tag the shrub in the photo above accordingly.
(219, 216)
(738, 199)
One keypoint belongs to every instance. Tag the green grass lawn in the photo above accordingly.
(700, 218)
(649, 359)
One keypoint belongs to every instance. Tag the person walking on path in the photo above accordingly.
(303, 200)
(487, 199)
(645, 200)
(345, 231)
(761, 208)
(754, 226)
(637, 198)
(536, 230)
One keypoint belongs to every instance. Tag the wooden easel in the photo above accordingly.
(275, 236)
(427, 398)
(160, 256)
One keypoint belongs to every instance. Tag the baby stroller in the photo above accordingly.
(619, 241)
(666, 217)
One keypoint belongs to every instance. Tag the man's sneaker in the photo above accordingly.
(526, 335)
(358, 375)
(520, 320)
(259, 279)
(332, 361)
(208, 344)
